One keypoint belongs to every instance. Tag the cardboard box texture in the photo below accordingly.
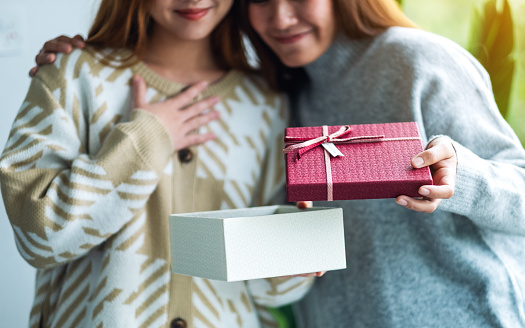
(376, 163)
(258, 242)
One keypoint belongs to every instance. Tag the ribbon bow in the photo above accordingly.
(304, 144)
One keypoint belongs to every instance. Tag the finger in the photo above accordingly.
(45, 58)
(445, 176)
(307, 275)
(200, 120)
(196, 139)
(419, 205)
(78, 41)
(54, 46)
(187, 96)
(437, 192)
(197, 108)
(138, 88)
(304, 204)
(437, 152)
(33, 71)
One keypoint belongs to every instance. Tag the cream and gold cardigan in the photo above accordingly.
(88, 185)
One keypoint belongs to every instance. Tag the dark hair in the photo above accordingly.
(354, 18)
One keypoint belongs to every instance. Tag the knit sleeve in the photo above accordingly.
(62, 201)
(457, 101)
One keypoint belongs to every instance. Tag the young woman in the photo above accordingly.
(455, 257)
(107, 144)
(452, 258)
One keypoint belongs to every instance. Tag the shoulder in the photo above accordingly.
(74, 67)
(426, 53)
(417, 43)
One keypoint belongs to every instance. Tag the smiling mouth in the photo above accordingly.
(290, 38)
(192, 13)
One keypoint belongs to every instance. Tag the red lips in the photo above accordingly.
(290, 39)
(192, 13)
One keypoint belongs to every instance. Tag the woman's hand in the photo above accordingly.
(177, 114)
(61, 44)
(304, 204)
(306, 275)
(440, 156)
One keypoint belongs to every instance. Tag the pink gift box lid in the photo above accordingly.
(367, 170)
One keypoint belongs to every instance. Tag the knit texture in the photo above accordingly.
(89, 184)
(464, 264)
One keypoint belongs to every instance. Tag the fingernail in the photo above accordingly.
(402, 202)
(418, 162)
(424, 192)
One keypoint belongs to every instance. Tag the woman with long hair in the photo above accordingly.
(450, 258)
(114, 138)
(453, 257)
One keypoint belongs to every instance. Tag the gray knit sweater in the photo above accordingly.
(464, 264)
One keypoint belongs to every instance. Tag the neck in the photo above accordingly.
(183, 61)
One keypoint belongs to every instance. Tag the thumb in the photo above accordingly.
(138, 88)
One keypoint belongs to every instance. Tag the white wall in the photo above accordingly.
(24, 26)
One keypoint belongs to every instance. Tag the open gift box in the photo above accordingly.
(366, 161)
(257, 242)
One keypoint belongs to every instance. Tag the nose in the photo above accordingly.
(283, 14)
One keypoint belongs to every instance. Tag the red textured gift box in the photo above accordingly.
(376, 162)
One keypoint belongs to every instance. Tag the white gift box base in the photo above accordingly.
(257, 242)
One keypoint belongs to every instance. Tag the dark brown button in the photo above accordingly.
(185, 155)
(178, 323)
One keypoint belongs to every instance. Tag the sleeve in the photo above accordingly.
(457, 101)
(276, 292)
(61, 201)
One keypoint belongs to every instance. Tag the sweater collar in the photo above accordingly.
(168, 87)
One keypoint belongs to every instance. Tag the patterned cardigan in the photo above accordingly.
(88, 185)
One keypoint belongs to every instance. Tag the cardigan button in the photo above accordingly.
(185, 155)
(178, 323)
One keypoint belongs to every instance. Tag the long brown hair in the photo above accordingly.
(354, 18)
(126, 24)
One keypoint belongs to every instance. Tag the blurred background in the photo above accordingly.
(493, 30)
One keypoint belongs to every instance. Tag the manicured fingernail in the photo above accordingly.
(402, 202)
(424, 192)
(418, 162)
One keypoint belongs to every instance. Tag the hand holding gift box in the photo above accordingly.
(353, 162)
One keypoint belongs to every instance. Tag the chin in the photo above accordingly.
(297, 60)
